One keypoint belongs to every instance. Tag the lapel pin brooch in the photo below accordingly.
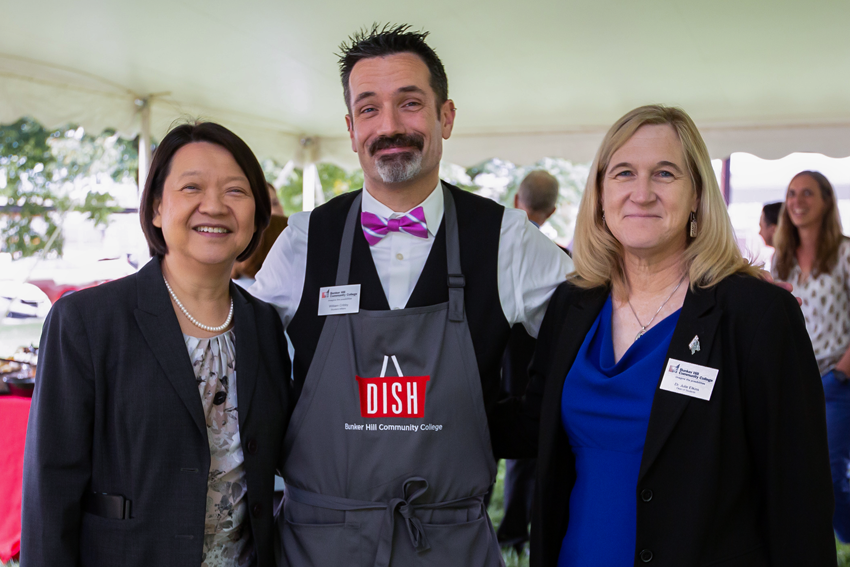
(694, 345)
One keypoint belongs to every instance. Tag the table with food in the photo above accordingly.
(17, 372)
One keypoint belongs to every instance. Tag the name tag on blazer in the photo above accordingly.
(339, 300)
(689, 379)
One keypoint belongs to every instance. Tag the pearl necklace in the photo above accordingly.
(195, 321)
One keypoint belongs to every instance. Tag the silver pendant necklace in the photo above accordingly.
(195, 321)
(643, 328)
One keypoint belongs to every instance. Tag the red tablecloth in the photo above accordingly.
(14, 412)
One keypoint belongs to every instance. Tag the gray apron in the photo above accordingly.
(387, 463)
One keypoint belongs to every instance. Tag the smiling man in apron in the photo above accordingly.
(399, 300)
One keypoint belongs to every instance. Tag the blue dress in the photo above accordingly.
(605, 411)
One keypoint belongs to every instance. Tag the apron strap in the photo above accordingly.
(404, 506)
(344, 267)
(456, 281)
(415, 530)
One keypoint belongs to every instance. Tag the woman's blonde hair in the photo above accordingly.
(787, 237)
(709, 257)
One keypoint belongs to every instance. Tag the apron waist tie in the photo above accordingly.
(404, 505)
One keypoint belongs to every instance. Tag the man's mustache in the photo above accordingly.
(398, 141)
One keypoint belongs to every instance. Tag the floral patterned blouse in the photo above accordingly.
(226, 543)
(826, 307)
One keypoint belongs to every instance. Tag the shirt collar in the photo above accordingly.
(432, 206)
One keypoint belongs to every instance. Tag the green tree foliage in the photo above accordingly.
(287, 180)
(336, 181)
(290, 181)
(44, 172)
(26, 160)
(291, 192)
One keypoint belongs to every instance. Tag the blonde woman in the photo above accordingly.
(681, 417)
(814, 256)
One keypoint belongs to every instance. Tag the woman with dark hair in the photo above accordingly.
(814, 256)
(143, 447)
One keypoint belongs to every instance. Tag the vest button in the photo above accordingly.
(257, 511)
(646, 495)
(251, 446)
(646, 556)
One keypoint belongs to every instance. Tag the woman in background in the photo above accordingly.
(245, 271)
(814, 256)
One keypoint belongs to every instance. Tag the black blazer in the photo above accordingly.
(741, 480)
(116, 410)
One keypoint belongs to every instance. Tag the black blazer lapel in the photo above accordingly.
(700, 318)
(158, 323)
(247, 351)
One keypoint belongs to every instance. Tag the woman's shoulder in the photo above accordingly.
(573, 287)
(102, 297)
(571, 292)
(97, 314)
(262, 309)
(748, 294)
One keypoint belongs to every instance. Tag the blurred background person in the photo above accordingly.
(768, 221)
(277, 207)
(245, 271)
(143, 448)
(681, 416)
(814, 256)
(538, 197)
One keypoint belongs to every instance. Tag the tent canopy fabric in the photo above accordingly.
(530, 79)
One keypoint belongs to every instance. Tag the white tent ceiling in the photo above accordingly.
(530, 79)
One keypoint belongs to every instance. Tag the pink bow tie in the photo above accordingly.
(375, 227)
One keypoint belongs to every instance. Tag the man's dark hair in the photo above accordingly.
(771, 212)
(380, 41)
(211, 133)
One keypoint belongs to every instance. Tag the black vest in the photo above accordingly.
(479, 225)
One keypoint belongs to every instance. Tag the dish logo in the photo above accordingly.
(389, 396)
(392, 397)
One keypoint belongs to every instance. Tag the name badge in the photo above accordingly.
(339, 300)
(689, 379)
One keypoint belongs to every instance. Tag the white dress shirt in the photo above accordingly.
(530, 266)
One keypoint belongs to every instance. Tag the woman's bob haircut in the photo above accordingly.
(709, 257)
(210, 133)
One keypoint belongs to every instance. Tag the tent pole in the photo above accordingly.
(310, 175)
(725, 180)
(144, 141)
(308, 187)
